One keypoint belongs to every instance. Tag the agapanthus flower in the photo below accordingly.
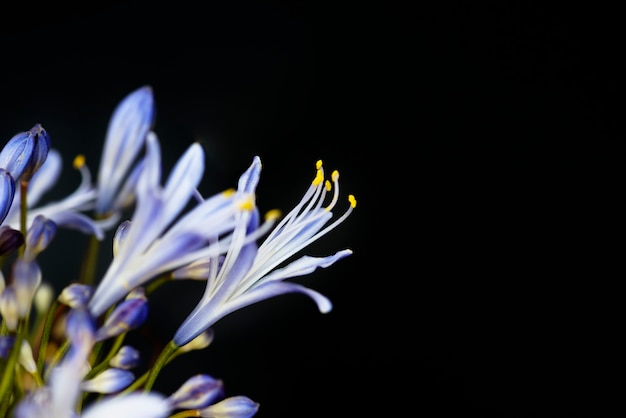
(63, 355)
(159, 238)
(248, 273)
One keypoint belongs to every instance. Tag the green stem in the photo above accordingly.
(161, 361)
(58, 355)
(45, 336)
(7, 376)
(142, 379)
(105, 362)
(88, 268)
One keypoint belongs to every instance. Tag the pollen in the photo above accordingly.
(352, 200)
(318, 164)
(319, 177)
(247, 204)
(229, 192)
(328, 185)
(273, 214)
(335, 175)
(79, 161)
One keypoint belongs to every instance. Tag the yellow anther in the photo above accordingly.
(273, 214)
(352, 200)
(79, 161)
(318, 164)
(328, 186)
(247, 204)
(229, 192)
(335, 175)
(319, 177)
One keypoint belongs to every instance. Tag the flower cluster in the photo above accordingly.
(65, 354)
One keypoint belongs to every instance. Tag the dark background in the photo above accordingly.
(484, 145)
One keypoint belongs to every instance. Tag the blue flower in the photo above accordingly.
(158, 237)
(248, 274)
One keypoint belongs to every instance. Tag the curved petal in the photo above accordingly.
(134, 405)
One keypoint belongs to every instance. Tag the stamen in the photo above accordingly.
(273, 214)
(79, 161)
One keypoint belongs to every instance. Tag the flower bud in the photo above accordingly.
(25, 153)
(233, 407)
(10, 240)
(197, 392)
(39, 235)
(126, 358)
(40, 151)
(76, 295)
(7, 192)
(26, 279)
(109, 381)
(26, 358)
(128, 315)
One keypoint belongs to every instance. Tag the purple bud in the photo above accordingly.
(197, 392)
(10, 240)
(128, 315)
(39, 236)
(7, 192)
(109, 381)
(76, 295)
(126, 358)
(25, 153)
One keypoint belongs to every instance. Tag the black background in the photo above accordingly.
(484, 145)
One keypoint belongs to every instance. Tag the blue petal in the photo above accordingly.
(126, 133)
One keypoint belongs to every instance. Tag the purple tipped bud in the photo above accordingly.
(17, 154)
(10, 240)
(233, 407)
(39, 235)
(109, 381)
(76, 295)
(40, 151)
(7, 192)
(26, 279)
(197, 392)
(25, 153)
(126, 358)
(128, 315)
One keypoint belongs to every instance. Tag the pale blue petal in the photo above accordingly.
(133, 405)
(272, 289)
(250, 178)
(305, 265)
(184, 180)
(45, 177)
(78, 221)
(128, 127)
